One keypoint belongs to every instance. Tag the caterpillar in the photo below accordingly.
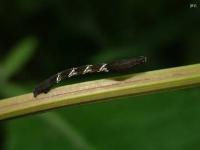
(115, 66)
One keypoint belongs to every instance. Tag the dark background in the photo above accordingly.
(40, 38)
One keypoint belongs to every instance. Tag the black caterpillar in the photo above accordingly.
(115, 66)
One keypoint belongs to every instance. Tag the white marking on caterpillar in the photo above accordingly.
(87, 69)
(73, 72)
(58, 79)
(103, 68)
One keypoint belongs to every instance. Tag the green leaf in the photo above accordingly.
(19, 56)
(167, 120)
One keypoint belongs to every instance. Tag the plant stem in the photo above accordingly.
(86, 92)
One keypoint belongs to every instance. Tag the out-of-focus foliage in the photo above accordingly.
(19, 56)
(159, 121)
(40, 38)
(14, 63)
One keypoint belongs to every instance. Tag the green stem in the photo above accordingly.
(86, 92)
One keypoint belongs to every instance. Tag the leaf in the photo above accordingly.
(19, 56)
(166, 120)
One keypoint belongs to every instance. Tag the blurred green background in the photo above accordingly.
(40, 38)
